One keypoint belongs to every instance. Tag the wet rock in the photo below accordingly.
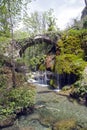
(27, 128)
(65, 125)
(8, 121)
(46, 117)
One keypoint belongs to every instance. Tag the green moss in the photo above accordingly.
(37, 62)
(42, 67)
(3, 80)
(72, 52)
(53, 83)
(65, 88)
(65, 125)
(69, 63)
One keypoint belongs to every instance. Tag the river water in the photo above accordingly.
(51, 107)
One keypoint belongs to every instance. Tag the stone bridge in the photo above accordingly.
(21, 46)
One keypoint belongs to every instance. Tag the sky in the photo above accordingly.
(64, 10)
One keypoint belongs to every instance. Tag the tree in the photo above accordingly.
(40, 22)
(4, 24)
(10, 11)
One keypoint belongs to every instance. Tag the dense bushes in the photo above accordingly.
(72, 54)
(16, 100)
(71, 59)
(80, 87)
(37, 62)
(69, 63)
(79, 92)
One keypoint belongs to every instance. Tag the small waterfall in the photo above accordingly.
(42, 77)
(58, 80)
(45, 77)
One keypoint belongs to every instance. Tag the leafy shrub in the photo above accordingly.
(16, 99)
(35, 62)
(42, 67)
(79, 89)
(2, 80)
(70, 44)
(1, 61)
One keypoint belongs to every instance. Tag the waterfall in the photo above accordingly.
(58, 80)
(42, 78)
(45, 77)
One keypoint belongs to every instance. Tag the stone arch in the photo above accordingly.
(37, 39)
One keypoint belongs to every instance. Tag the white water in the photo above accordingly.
(40, 79)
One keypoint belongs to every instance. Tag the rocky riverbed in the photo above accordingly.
(53, 111)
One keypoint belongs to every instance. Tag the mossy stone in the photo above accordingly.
(65, 125)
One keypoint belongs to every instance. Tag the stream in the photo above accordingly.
(51, 107)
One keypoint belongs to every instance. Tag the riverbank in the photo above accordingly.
(53, 110)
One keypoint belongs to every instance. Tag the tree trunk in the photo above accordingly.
(12, 47)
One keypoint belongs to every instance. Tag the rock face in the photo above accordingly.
(49, 61)
(84, 12)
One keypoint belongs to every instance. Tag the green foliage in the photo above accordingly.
(53, 83)
(22, 97)
(16, 99)
(85, 24)
(20, 61)
(39, 23)
(10, 15)
(79, 89)
(71, 43)
(65, 88)
(20, 34)
(35, 62)
(2, 80)
(69, 63)
(4, 43)
(1, 62)
(42, 67)
(72, 54)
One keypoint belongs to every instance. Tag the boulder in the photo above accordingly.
(65, 125)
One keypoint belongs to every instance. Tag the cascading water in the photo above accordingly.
(57, 77)
(45, 77)
(39, 78)
(58, 81)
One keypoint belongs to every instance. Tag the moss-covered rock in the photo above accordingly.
(69, 63)
(65, 125)
(79, 89)
(14, 100)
